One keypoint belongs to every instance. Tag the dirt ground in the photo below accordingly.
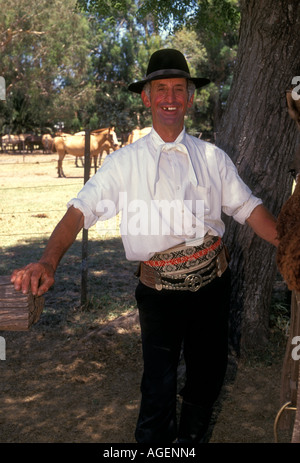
(59, 386)
(70, 380)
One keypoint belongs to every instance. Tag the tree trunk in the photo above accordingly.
(259, 136)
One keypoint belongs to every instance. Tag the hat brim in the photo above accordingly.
(137, 87)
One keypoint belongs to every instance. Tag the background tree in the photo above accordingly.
(260, 138)
(119, 43)
(70, 63)
(45, 62)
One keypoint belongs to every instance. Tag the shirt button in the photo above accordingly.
(178, 187)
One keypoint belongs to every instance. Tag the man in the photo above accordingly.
(171, 189)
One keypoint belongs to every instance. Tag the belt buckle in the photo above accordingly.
(193, 282)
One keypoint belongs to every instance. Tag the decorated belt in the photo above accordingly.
(185, 267)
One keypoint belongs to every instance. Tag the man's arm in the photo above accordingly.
(263, 224)
(39, 276)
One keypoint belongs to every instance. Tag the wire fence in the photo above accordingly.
(109, 229)
(67, 158)
(42, 213)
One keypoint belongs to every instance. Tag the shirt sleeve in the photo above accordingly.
(99, 198)
(238, 200)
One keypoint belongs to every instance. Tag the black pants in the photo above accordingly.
(198, 322)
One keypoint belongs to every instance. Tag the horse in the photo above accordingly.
(105, 150)
(75, 145)
(47, 141)
(13, 142)
(33, 141)
(137, 133)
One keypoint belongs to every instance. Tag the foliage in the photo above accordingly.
(168, 15)
(114, 67)
(209, 42)
(70, 62)
(44, 61)
(210, 18)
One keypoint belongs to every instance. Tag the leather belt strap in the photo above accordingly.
(189, 280)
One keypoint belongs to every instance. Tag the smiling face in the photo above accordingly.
(168, 102)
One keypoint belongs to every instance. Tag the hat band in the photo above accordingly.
(167, 72)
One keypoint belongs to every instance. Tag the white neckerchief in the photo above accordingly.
(177, 145)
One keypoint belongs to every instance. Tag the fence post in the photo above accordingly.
(84, 258)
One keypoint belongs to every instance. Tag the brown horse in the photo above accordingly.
(75, 144)
(105, 150)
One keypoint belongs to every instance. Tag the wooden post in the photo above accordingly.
(18, 311)
(84, 257)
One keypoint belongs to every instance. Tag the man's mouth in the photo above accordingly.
(169, 108)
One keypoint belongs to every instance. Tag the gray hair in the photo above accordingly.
(147, 89)
(191, 87)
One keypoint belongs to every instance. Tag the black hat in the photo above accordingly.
(165, 64)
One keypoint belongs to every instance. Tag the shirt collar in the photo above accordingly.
(178, 145)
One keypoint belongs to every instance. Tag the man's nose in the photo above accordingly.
(170, 95)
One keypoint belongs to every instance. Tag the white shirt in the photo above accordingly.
(168, 193)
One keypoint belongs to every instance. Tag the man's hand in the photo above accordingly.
(38, 277)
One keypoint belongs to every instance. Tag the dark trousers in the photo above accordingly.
(196, 322)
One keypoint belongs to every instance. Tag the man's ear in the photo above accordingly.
(145, 99)
(190, 102)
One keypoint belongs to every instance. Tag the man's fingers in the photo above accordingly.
(14, 275)
(47, 281)
(37, 277)
(32, 280)
(17, 277)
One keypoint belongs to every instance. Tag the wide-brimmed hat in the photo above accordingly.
(165, 64)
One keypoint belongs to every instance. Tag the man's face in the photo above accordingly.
(169, 103)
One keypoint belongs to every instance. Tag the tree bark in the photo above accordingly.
(259, 136)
